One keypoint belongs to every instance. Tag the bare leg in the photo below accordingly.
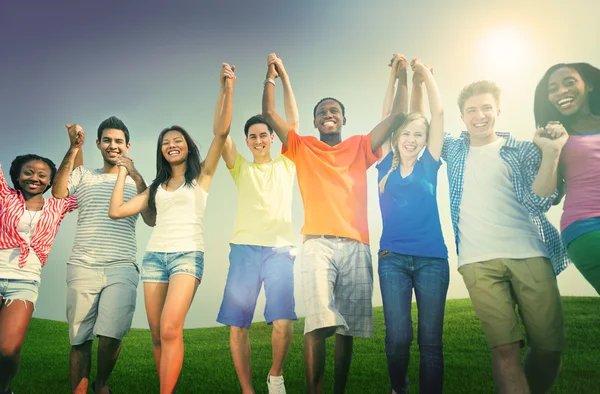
(80, 362)
(240, 352)
(180, 294)
(507, 371)
(281, 340)
(541, 369)
(314, 358)
(343, 358)
(154, 298)
(108, 353)
(14, 321)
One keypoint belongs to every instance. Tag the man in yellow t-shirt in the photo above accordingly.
(262, 247)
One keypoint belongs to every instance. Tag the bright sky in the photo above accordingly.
(155, 64)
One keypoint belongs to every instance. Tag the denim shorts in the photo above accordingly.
(19, 289)
(100, 301)
(249, 267)
(161, 266)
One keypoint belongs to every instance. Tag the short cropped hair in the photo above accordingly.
(332, 99)
(477, 88)
(113, 123)
(256, 119)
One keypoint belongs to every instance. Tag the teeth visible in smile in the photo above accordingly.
(566, 100)
(174, 152)
(479, 124)
(328, 123)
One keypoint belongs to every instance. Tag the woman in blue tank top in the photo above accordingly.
(412, 252)
(174, 260)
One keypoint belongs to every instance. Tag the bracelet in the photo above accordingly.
(269, 80)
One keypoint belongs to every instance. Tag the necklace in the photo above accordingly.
(31, 219)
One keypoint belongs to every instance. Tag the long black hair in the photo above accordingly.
(163, 168)
(544, 111)
(20, 161)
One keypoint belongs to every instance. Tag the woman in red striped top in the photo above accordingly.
(28, 225)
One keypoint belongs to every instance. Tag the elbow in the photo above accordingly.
(114, 214)
(59, 194)
(268, 112)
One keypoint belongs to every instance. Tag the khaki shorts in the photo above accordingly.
(496, 286)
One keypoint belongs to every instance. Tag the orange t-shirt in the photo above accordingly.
(333, 184)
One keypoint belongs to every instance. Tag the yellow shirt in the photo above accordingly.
(264, 216)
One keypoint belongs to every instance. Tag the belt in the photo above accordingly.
(323, 236)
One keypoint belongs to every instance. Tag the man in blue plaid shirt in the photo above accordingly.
(508, 252)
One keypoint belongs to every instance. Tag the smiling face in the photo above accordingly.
(174, 148)
(112, 145)
(411, 139)
(329, 118)
(479, 115)
(34, 177)
(568, 92)
(259, 140)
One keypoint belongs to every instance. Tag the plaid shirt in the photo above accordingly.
(524, 161)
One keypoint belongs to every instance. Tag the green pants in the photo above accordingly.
(584, 252)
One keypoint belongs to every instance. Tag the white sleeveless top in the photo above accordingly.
(179, 220)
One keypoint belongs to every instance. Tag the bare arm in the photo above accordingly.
(279, 125)
(417, 97)
(221, 132)
(148, 215)
(545, 183)
(394, 100)
(119, 209)
(289, 100)
(229, 149)
(60, 183)
(435, 139)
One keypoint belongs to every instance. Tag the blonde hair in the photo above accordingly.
(477, 88)
(412, 116)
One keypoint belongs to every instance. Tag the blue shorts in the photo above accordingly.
(249, 267)
(19, 289)
(160, 266)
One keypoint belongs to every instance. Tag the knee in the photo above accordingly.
(283, 327)
(170, 331)
(507, 352)
(10, 350)
(547, 355)
(398, 339)
(84, 348)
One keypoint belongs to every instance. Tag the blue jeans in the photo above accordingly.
(398, 275)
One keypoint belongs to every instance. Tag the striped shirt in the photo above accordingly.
(12, 208)
(524, 160)
(100, 241)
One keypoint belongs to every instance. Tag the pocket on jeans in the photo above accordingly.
(469, 275)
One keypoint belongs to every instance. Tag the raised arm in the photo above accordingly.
(435, 138)
(545, 183)
(417, 96)
(60, 183)
(289, 101)
(279, 125)
(221, 132)
(119, 209)
(148, 215)
(229, 149)
(394, 99)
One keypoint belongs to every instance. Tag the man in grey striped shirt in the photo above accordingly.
(102, 272)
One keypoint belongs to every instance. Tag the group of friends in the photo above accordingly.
(500, 188)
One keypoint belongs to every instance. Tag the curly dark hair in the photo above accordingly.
(18, 163)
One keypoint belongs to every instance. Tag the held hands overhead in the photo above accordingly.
(76, 135)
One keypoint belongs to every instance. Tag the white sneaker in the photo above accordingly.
(275, 384)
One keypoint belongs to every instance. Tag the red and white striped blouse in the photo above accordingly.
(12, 208)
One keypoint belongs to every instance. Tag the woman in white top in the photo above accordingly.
(174, 259)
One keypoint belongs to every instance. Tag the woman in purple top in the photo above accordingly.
(412, 252)
(570, 94)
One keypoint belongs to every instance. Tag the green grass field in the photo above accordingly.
(208, 367)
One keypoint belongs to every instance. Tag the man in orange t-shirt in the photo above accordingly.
(337, 273)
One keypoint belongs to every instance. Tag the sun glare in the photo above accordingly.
(505, 49)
